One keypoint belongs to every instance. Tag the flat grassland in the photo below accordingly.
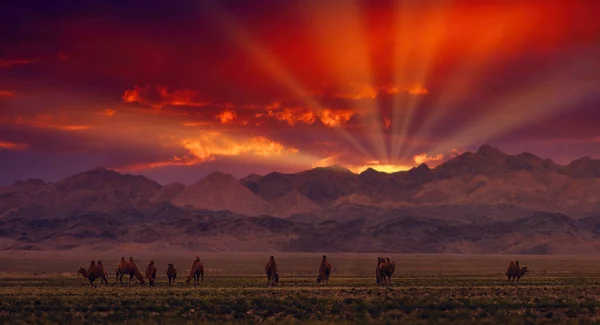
(425, 288)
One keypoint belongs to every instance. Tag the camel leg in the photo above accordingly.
(92, 282)
(174, 279)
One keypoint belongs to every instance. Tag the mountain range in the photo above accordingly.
(479, 202)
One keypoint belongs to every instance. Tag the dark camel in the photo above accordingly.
(129, 267)
(324, 270)
(94, 272)
(196, 272)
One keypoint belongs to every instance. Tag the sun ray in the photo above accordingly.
(279, 72)
(415, 41)
(349, 60)
(576, 81)
(510, 24)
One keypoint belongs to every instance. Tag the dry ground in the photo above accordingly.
(439, 288)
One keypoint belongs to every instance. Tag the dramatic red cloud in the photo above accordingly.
(333, 118)
(292, 115)
(376, 84)
(210, 145)
(108, 112)
(424, 158)
(46, 121)
(371, 92)
(226, 116)
(159, 97)
(12, 146)
(7, 63)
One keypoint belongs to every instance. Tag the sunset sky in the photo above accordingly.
(176, 89)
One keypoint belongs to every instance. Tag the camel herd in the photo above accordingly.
(383, 272)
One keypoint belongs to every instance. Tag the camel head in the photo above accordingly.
(152, 262)
(82, 271)
(524, 270)
(170, 266)
(271, 258)
(324, 257)
(122, 259)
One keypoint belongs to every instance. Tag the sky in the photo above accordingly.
(175, 90)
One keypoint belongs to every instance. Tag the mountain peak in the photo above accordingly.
(220, 177)
(336, 168)
(487, 150)
(370, 170)
(32, 181)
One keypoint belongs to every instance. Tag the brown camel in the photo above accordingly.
(94, 272)
(388, 270)
(151, 273)
(514, 271)
(196, 272)
(391, 270)
(384, 267)
(324, 270)
(129, 267)
(172, 274)
(271, 270)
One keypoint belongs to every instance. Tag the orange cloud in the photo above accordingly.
(12, 146)
(196, 123)
(371, 92)
(108, 112)
(4, 63)
(418, 90)
(6, 93)
(45, 121)
(291, 115)
(325, 162)
(159, 97)
(335, 118)
(226, 116)
(424, 158)
(211, 144)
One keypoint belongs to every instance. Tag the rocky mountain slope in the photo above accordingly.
(479, 202)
